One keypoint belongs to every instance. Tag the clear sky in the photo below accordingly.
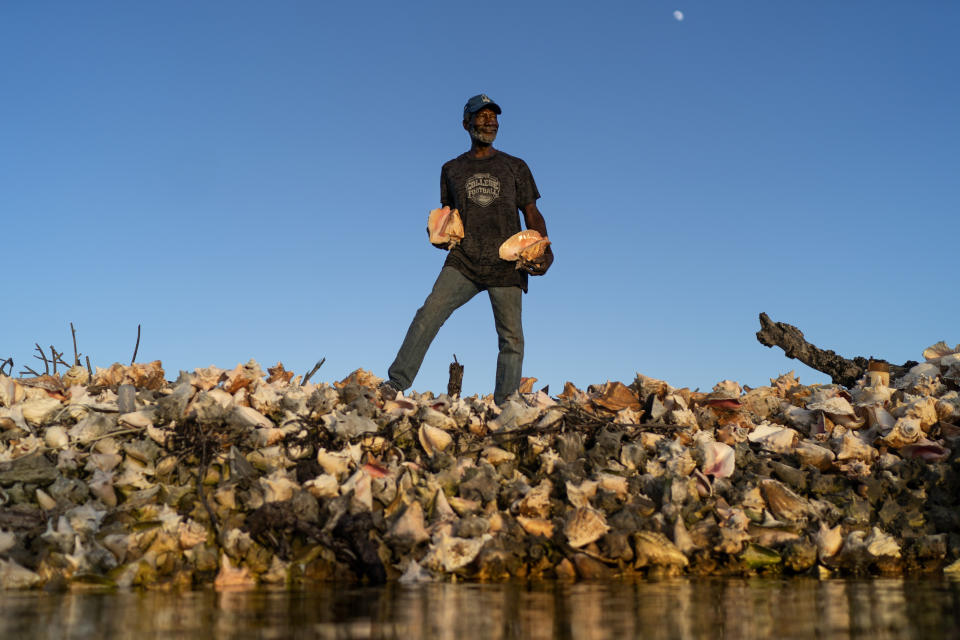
(252, 180)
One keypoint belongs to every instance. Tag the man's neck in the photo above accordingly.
(481, 151)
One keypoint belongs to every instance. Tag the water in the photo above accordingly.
(681, 608)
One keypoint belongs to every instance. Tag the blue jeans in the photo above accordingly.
(451, 291)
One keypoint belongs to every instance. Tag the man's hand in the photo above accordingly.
(538, 266)
(443, 246)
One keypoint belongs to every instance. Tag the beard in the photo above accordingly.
(483, 137)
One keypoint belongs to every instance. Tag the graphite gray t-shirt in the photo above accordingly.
(488, 193)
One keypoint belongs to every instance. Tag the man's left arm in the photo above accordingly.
(533, 219)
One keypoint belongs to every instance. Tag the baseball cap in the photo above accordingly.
(477, 102)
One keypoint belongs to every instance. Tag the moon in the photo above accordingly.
(678, 15)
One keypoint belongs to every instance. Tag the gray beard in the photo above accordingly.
(483, 138)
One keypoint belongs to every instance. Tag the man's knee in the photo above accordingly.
(511, 341)
(434, 309)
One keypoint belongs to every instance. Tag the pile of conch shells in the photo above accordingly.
(242, 477)
(445, 227)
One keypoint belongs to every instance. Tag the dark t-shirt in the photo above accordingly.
(488, 193)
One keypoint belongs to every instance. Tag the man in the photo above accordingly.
(488, 187)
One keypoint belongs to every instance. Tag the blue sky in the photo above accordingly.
(252, 180)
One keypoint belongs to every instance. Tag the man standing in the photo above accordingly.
(489, 188)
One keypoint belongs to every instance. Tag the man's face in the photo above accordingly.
(483, 126)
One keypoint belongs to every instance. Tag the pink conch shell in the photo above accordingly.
(925, 450)
(445, 227)
(528, 245)
(718, 460)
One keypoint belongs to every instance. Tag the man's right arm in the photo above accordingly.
(444, 191)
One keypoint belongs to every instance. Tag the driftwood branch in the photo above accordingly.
(455, 383)
(6, 363)
(842, 371)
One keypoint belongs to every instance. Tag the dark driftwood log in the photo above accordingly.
(456, 377)
(841, 370)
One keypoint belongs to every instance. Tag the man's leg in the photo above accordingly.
(507, 303)
(451, 290)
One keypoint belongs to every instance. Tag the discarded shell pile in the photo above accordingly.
(239, 477)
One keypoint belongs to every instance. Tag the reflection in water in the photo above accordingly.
(757, 608)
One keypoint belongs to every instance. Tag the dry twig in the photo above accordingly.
(42, 356)
(76, 355)
(137, 347)
(57, 358)
(313, 371)
(120, 432)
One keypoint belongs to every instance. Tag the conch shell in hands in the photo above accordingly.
(524, 246)
(445, 227)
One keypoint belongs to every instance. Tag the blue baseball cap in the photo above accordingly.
(477, 102)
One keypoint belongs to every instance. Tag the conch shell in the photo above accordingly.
(445, 227)
(935, 352)
(433, 439)
(524, 246)
(905, 431)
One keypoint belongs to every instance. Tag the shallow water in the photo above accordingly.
(676, 608)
